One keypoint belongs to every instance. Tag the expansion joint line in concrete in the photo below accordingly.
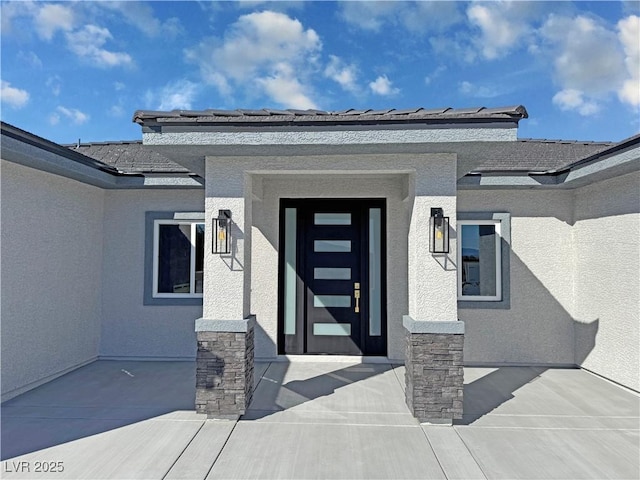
(470, 452)
(235, 424)
(183, 450)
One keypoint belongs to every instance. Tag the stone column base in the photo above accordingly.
(224, 367)
(434, 372)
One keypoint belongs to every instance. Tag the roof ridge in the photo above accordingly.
(350, 114)
(565, 141)
(107, 142)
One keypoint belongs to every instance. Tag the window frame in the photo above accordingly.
(150, 294)
(192, 258)
(475, 217)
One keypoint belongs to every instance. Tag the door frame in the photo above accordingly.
(296, 345)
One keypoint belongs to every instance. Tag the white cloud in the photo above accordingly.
(88, 42)
(588, 57)
(420, 17)
(629, 35)
(571, 99)
(177, 95)
(12, 96)
(429, 79)
(345, 75)
(266, 48)
(9, 11)
(116, 111)
(429, 16)
(255, 41)
(30, 58)
(76, 116)
(54, 119)
(503, 26)
(478, 91)
(283, 87)
(119, 86)
(383, 86)
(53, 17)
(592, 61)
(54, 82)
(141, 16)
(369, 15)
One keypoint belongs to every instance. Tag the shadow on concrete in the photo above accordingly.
(274, 394)
(488, 392)
(102, 396)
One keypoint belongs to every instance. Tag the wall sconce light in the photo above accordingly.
(438, 232)
(221, 238)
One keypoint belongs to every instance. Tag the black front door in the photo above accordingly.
(339, 263)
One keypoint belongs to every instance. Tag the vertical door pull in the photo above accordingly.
(356, 295)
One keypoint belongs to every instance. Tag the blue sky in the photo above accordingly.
(75, 70)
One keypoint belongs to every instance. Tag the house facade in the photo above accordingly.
(230, 236)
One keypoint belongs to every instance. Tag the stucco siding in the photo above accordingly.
(607, 286)
(538, 327)
(52, 242)
(130, 328)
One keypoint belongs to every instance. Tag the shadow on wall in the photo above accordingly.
(231, 259)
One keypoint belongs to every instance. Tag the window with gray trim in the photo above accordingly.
(174, 258)
(483, 259)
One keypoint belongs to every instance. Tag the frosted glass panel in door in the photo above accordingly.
(321, 273)
(332, 246)
(332, 219)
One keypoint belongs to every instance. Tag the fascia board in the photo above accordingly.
(31, 156)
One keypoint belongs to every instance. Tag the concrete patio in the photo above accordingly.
(320, 419)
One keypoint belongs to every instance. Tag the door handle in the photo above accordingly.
(356, 295)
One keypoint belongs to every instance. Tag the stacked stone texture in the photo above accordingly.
(224, 373)
(434, 376)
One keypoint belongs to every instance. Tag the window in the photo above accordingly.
(484, 260)
(178, 258)
(174, 258)
(479, 260)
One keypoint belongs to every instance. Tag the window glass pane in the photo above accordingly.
(199, 257)
(332, 245)
(479, 260)
(174, 258)
(332, 219)
(290, 276)
(343, 301)
(375, 275)
(320, 273)
(339, 329)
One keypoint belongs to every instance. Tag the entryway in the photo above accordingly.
(332, 288)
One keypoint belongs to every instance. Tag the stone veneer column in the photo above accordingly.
(224, 367)
(434, 372)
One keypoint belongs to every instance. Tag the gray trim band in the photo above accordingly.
(439, 328)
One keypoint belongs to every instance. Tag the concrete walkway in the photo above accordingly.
(320, 420)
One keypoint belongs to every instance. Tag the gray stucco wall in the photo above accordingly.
(51, 253)
(607, 285)
(538, 327)
(574, 280)
(130, 328)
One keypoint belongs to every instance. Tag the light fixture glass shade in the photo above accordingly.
(221, 237)
(438, 232)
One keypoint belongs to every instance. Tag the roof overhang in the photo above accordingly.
(619, 160)
(32, 151)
